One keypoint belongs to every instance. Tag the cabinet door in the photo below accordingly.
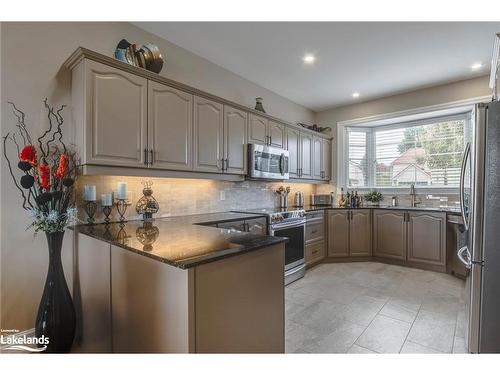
(389, 231)
(314, 252)
(293, 145)
(305, 156)
(257, 129)
(326, 149)
(208, 135)
(116, 116)
(360, 233)
(427, 237)
(338, 233)
(317, 159)
(276, 134)
(170, 126)
(235, 140)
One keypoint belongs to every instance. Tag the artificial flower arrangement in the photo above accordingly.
(48, 172)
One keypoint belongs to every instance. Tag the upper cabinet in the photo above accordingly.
(276, 133)
(170, 127)
(257, 130)
(114, 107)
(266, 132)
(293, 146)
(208, 135)
(133, 118)
(235, 140)
(306, 157)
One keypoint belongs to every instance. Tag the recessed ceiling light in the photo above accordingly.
(309, 59)
(355, 94)
(476, 66)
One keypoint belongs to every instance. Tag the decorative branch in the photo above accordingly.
(25, 201)
(20, 115)
(50, 111)
(59, 120)
(13, 139)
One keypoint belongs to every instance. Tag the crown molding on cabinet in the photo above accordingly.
(84, 53)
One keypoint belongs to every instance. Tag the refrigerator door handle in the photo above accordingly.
(464, 256)
(462, 187)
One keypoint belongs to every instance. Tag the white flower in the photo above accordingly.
(53, 216)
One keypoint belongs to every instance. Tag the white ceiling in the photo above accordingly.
(374, 59)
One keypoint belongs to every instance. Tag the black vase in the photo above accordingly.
(56, 318)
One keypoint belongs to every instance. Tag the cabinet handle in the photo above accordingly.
(152, 153)
(146, 157)
(314, 251)
(227, 164)
(270, 140)
(314, 231)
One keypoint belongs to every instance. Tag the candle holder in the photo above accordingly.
(106, 210)
(121, 206)
(90, 208)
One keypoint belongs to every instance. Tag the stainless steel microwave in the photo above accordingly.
(266, 162)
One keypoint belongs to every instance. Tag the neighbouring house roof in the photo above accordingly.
(410, 156)
(416, 166)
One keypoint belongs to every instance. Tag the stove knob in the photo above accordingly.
(302, 214)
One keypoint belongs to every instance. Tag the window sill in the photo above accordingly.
(406, 190)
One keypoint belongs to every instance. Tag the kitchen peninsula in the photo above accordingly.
(179, 285)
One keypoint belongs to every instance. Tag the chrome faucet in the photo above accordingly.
(413, 196)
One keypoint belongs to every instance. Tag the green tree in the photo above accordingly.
(411, 139)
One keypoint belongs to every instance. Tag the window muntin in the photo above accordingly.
(427, 153)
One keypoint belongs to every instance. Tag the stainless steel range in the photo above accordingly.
(290, 224)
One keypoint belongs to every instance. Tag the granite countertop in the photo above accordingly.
(181, 241)
(451, 210)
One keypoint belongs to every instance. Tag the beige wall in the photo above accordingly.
(32, 54)
(472, 88)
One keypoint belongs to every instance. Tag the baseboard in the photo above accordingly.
(403, 263)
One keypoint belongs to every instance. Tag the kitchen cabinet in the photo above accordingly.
(131, 118)
(208, 135)
(360, 232)
(314, 237)
(427, 237)
(170, 127)
(306, 165)
(338, 233)
(235, 140)
(266, 132)
(321, 159)
(114, 108)
(276, 134)
(389, 228)
(293, 146)
(317, 158)
(258, 129)
(349, 233)
(326, 159)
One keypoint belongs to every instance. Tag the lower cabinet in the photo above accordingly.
(427, 238)
(417, 237)
(389, 228)
(315, 237)
(349, 233)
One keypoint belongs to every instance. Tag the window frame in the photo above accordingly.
(415, 117)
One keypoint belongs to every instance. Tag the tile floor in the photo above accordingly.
(369, 307)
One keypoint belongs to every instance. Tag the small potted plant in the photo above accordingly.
(374, 198)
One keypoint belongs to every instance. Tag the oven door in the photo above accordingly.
(294, 248)
(268, 162)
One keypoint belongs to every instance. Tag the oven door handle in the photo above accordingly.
(296, 224)
(293, 270)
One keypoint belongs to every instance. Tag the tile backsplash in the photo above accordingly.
(178, 196)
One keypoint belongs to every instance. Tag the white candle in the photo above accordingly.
(121, 190)
(90, 193)
(106, 199)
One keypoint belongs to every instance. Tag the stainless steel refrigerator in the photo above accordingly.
(480, 197)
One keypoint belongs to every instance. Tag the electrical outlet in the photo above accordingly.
(222, 196)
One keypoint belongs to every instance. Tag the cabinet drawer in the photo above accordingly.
(312, 215)
(315, 252)
(315, 231)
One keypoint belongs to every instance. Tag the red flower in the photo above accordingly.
(44, 171)
(62, 169)
(29, 154)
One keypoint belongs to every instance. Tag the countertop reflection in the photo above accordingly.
(183, 241)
